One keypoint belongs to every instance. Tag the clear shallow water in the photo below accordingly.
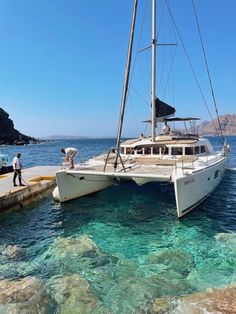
(140, 251)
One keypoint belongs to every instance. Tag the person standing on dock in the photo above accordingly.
(70, 153)
(17, 169)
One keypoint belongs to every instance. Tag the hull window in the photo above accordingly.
(216, 174)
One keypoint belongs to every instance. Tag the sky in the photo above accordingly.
(62, 63)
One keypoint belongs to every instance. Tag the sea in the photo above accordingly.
(119, 250)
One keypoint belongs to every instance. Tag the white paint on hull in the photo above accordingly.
(74, 185)
(192, 189)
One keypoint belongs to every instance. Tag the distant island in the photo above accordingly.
(228, 125)
(9, 135)
(63, 137)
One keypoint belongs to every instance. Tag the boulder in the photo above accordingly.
(228, 238)
(82, 246)
(176, 261)
(12, 251)
(74, 255)
(72, 294)
(212, 301)
(21, 296)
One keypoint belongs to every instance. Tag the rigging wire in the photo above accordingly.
(192, 69)
(160, 76)
(207, 68)
(139, 95)
(166, 71)
(135, 58)
(170, 72)
(132, 107)
(139, 40)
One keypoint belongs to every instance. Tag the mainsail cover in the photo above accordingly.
(163, 109)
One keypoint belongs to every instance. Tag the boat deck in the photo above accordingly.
(130, 169)
(162, 168)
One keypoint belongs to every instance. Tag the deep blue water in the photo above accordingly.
(144, 251)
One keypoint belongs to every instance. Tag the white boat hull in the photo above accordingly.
(72, 185)
(191, 190)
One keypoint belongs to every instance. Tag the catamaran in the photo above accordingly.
(182, 159)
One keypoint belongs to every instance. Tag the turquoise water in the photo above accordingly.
(125, 242)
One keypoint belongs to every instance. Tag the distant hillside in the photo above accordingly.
(228, 125)
(64, 137)
(8, 134)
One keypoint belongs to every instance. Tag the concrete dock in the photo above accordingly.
(39, 181)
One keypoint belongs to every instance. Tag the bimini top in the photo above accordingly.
(180, 119)
(175, 119)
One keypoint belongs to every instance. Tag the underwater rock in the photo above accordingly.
(159, 306)
(21, 296)
(224, 236)
(170, 285)
(72, 293)
(130, 293)
(178, 261)
(12, 251)
(211, 301)
(227, 238)
(82, 246)
(78, 254)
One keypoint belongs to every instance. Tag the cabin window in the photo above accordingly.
(147, 150)
(189, 151)
(176, 151)
(129, 150)
(203, 149)
(122, 150)
(164, 150)
(139, 151)
(155, 150)
(197, 150)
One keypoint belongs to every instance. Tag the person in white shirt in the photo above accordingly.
(70, 153)
(17, 169)
(166, 129)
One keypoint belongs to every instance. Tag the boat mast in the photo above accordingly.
(153, 93)
(126, 81)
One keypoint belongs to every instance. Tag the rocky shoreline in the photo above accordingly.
(9, 135)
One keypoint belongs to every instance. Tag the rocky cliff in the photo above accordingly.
(228, 125)
(8, 134)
